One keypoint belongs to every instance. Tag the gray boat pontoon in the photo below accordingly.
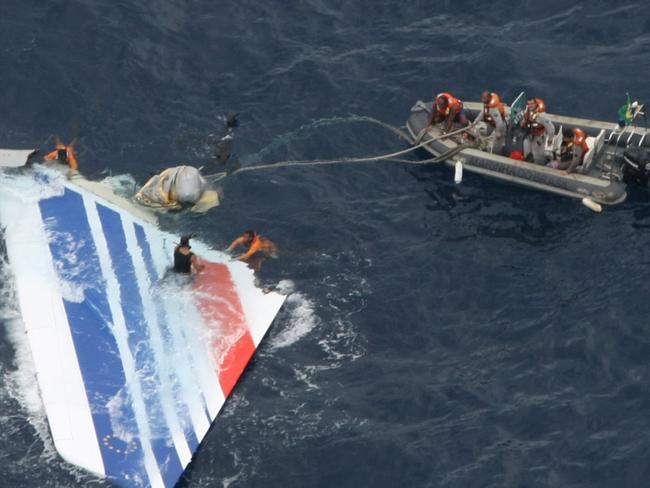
(615, 156)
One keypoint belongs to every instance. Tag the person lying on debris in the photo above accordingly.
(178, 186)
(63, 153)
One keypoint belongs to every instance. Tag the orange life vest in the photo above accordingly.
(452, 102)
(530, 118)
(67, 155)
(580, 139)
(255, 245)
(494, 102)
(541, 105)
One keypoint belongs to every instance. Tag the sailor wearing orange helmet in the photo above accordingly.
(494, 116)
(447, 108)
(574, 148)
(538, 128)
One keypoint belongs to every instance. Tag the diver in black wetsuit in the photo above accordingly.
(222, 149)
(185, 261)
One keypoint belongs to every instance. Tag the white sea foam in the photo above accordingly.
(71, 281)
(122, 424)
(71, 292)
(302, 318)
(31, 190)
(122, 185)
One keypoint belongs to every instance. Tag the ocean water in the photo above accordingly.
(435, 335)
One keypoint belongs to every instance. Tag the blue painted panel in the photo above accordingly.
(77, 263)
(165, 332)
(140, 344)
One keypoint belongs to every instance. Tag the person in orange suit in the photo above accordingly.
(259, 248)
(494, 116)
(574, 148)
(449, 109)
(65, 154)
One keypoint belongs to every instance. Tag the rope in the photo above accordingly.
(317, 124)
(383, 157)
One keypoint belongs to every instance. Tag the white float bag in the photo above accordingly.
(173, 187)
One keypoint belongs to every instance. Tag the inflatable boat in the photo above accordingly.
(132, 363)
(616, 155)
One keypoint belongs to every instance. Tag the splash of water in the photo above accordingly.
(302, 317)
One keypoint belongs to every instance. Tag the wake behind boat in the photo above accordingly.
(132, 368)
(615, 154)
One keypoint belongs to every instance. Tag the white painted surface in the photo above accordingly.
(48, 332)
(15, 158)
(40, 295)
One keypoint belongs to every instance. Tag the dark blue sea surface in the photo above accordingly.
(435, 335)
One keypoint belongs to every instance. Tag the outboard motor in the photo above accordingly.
(636, 165)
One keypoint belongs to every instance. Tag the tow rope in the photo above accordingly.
(383, 157)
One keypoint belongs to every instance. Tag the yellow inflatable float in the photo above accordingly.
(177, 187)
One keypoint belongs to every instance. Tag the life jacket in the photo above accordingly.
(530, 118)
(262, 245)
(255, 245)
(65, 154)
(452, 102)
(580, 139)
(494, 102)
(541, 105)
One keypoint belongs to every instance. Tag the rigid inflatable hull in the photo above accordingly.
(595, 185)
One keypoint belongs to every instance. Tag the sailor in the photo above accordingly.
(538, 128)
(572, 153)
(259, 248)
(447, 108)
(494, 116)
(63, 153)
(185, 261)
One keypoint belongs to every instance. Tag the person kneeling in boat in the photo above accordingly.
(447, 108)
(64, 153)
(185, 261)
(573, 150)
(538, 127)
(494, 116)
(259, 248)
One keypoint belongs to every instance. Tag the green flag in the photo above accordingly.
(625, 112)
(517, 108)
